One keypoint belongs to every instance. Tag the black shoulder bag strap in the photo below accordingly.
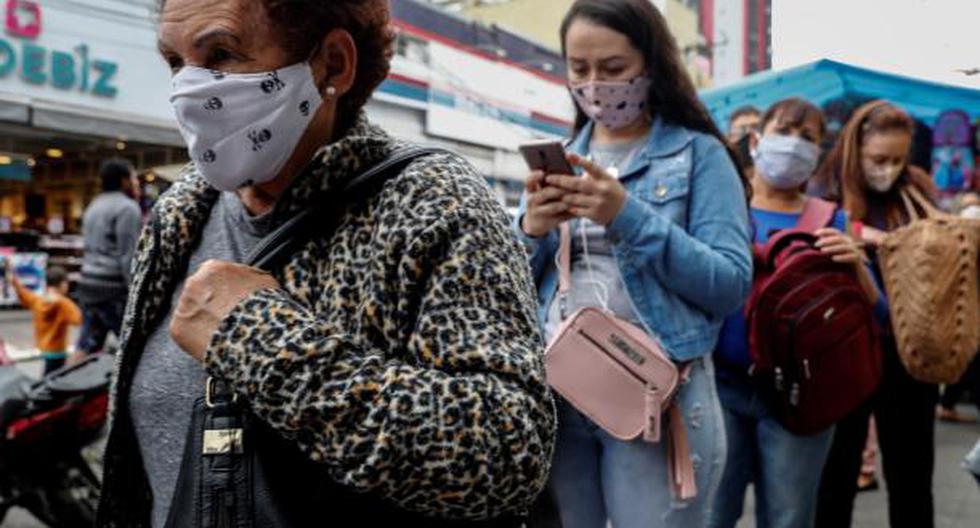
(297, 230)
(219, 481)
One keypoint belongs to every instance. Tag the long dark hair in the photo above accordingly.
(672, 95)
(795, 112)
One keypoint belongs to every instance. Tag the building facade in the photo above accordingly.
(81, 81)
(740, 34)
(540, 20)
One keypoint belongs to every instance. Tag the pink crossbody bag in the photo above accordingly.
(617, 375)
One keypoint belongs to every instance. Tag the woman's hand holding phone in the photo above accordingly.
(546, 209)
(597, 195)
(556, 198)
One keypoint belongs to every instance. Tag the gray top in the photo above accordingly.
(110, 227)
(604, 282)
(167, 380)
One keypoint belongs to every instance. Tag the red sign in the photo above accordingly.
(23, 18)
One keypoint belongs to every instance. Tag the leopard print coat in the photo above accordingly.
(402, 350)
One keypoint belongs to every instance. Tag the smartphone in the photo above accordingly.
(546, 156)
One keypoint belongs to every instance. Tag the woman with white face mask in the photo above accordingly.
(865, 172)
(392, 358)
(783, 467)
(661, 240)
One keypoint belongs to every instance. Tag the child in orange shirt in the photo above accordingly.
(53, 313)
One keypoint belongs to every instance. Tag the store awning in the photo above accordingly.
(823, 81)
(15, 109)
(51, 115)
(81, 120)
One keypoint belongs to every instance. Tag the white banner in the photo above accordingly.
(492, 103)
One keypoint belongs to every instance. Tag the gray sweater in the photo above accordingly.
(111, 226)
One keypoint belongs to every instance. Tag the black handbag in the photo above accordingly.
(237, 472)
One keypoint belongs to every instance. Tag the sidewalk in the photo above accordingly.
(957, 496)
(17, 335)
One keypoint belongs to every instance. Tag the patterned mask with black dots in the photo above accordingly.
(614, 105)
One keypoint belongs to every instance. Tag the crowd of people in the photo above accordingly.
(396, 365)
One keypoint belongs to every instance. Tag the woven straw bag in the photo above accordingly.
(930, 272)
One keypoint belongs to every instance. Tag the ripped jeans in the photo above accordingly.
(597, 479)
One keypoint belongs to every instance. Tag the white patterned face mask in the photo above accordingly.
(241, 129)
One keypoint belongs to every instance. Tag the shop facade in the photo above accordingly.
(80, 81)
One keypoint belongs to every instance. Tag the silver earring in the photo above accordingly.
(331, 91)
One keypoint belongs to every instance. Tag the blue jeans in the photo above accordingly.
(596, 478)
(783, 467)
(98, 319)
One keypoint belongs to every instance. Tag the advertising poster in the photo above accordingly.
(29, 267)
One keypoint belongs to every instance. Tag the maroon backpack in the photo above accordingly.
(813, 339)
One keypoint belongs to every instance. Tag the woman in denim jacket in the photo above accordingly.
(661, 238)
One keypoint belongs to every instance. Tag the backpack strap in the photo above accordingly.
(817, 214)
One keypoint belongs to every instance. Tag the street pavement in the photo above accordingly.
(957, 496)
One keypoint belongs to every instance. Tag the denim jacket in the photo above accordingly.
(681, 241)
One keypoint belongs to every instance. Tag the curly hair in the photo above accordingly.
(302, 24)
(672, 95)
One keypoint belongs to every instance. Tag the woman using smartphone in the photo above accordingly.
(661, 240)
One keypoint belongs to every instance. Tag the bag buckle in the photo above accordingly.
(209, 392)
(654, 413)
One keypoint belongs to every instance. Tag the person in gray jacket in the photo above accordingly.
(111, 227)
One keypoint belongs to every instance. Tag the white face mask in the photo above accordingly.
(880, 178)
(785, 162)
(241, 129)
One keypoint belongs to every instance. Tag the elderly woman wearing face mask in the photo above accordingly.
(397, 356)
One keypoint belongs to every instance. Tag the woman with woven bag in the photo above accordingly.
(867, 172)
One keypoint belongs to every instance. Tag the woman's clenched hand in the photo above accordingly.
(208, 297)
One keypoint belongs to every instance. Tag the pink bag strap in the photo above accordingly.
(816, 214)
(680, 464)
(564, 266)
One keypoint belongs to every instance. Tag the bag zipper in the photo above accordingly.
(617, 360)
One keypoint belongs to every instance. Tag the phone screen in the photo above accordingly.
(548, 157)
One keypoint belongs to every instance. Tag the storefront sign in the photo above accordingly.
(66, 70)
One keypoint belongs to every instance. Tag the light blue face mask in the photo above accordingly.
(785, 162)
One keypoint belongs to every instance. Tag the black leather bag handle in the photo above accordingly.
(298, 229)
